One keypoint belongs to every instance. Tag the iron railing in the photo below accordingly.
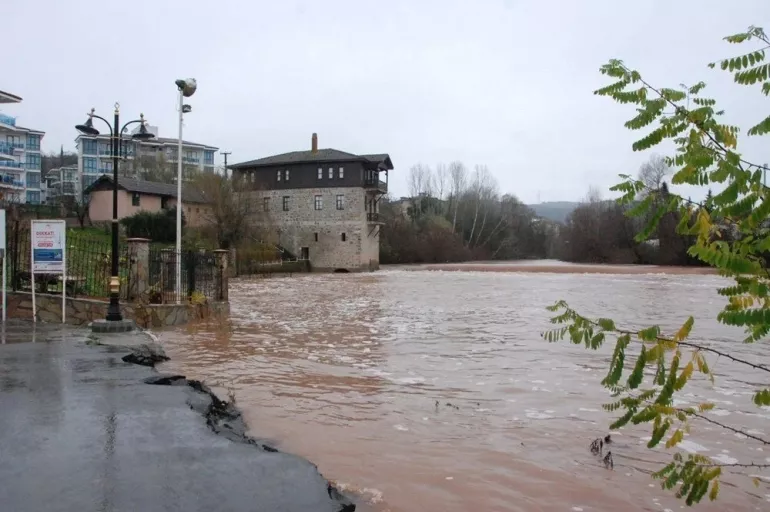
(199, 273)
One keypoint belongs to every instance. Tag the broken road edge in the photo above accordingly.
(222, 417)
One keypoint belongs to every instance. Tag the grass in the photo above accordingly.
(88, 234)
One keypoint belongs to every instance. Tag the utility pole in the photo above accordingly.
(225, 153)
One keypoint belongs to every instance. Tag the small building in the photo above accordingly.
(321, 205)
(62, 184)
(136, 196)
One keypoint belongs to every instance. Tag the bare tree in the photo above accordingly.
(489, 199)
(653, 172)
(230, 208)
(440, 181)
(76, 206)
(419, 177)
(481, 180)
(458, 177)
(594, 195)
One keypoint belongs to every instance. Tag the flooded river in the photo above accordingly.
(433, 391)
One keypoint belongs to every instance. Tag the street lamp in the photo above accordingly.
(113, 311)
(186, 87)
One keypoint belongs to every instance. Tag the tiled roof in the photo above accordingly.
(322, 155)
(154, 188)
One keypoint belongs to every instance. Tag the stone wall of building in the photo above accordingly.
(84, 311)
(335, 239)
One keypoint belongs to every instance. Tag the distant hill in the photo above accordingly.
(554, 210)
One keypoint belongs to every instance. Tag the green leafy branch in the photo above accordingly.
(731, 233)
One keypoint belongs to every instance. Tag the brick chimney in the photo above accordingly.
(314, 143)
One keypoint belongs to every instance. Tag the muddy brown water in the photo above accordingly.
(355, 372)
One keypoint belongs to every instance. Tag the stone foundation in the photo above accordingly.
(84, 311)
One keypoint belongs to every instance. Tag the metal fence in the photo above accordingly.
(89, 265)
(199, 273)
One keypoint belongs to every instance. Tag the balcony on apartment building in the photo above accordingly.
(9, 148)
(374, 218)
(7, 120)
(11, 164)
(10, 181)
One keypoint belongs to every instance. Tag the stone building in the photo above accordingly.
(323, 204)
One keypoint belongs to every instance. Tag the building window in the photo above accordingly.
(89, 165)
(344, 237)
(319, 202)
(286, 175)
(331, 172)
(208, 157)
(266, 204)
(88, 181)
(164, 203)
(342, 172)
(320, 173)
(89, 146)
(33, 179)
(340, 202)
(277, 175)
(32, 161)
(316, 236)
(33, 197)
(135, 199)
(33, 142)
(286, 203)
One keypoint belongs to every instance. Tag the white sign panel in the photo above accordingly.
(48, 243)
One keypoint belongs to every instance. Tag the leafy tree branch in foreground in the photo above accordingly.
(731, 233)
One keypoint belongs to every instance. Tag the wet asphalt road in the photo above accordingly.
(80, 431)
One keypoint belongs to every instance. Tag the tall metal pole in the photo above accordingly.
(179, 203)
(225, 153)
(113, 311)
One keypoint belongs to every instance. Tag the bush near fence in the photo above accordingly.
(158, 227)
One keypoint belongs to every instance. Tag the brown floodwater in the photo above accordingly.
(434, 391)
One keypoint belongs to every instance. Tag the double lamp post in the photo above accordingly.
(116, 136)
(186, 88)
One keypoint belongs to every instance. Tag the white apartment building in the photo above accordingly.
(20, 160)
(95, 156)
(62, 183)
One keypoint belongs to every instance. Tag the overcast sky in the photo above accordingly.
(506, 83)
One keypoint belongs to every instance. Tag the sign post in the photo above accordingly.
(2, 255)
(49, 256)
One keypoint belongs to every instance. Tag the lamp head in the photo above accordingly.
(143, 133)
(87, 128)
(186, 108)
(187, 86)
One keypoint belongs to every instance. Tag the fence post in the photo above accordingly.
(138, 266)
(221, 276)
(190, 262)
(167, 272)
(15, 258)
(232, 261)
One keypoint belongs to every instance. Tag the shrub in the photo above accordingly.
(158, 227)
